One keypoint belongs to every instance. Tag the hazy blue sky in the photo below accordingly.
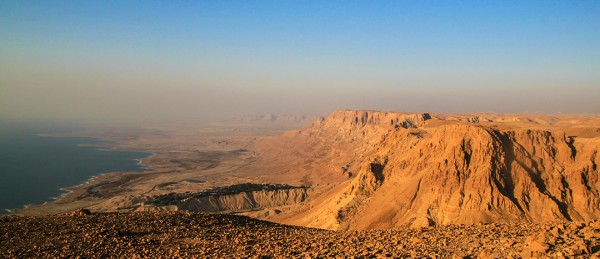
(188, 60)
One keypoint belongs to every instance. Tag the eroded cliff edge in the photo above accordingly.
(427, 169)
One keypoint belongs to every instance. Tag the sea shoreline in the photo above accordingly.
(105, 144)
(191, 159)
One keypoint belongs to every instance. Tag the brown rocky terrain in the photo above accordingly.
(368, 170)
(392, 170)
(197, 235)
(392, 184)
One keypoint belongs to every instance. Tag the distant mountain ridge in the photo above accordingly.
(274, 119)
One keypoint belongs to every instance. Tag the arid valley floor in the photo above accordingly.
(356, 183)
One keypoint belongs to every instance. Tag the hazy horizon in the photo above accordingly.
(151, 62)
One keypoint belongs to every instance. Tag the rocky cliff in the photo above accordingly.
(430, 169)
(235, 198)
(245, 201)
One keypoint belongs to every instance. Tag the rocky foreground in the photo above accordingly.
(181, 234)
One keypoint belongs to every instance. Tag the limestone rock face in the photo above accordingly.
(244, 201)
(424, 170)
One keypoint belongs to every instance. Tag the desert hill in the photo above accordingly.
(391, 170)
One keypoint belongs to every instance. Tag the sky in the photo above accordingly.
(159, 61)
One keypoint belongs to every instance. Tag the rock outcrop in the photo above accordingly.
(245, 201)
(235, 198)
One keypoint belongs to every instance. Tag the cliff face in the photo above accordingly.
(234, 198)
(326, 152)
(422, 170)
(369, 123)
(245, 201)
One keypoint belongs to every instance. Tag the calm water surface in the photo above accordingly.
(33, 168)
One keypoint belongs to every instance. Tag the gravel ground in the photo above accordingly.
(187, 235)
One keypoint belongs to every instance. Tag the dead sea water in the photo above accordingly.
(34, 168)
